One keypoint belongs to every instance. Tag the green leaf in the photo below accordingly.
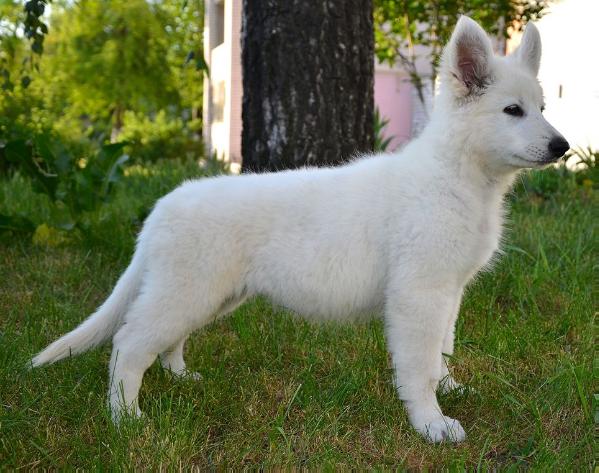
(16, 223)
(21, 153)
(109, 152)
(44, 149)
(189, 57)
(54, 154)
(113, 174)
(18, 151)
(37, 46)
(201, 65)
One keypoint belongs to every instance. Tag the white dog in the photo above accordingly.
(401, 234)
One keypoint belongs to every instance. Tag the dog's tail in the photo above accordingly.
(103, 323)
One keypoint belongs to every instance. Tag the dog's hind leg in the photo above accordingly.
(173, 361)
(153, 325)
(131, 357)
(157, 324)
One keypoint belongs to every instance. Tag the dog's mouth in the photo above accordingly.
(552, 160)
(539, 162)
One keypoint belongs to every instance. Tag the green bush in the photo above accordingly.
(158, 137)
(74, 183)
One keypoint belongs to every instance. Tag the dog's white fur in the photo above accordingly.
(401, 234)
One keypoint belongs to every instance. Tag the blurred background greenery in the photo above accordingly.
(105, 71)
(89, 86)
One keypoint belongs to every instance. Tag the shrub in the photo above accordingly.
(159, 137)
(74, 183)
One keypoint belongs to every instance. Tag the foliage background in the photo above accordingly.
(402, 26)
(108, 68)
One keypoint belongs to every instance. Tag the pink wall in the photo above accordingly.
(393, 97)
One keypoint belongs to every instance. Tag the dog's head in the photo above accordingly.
(498, 100)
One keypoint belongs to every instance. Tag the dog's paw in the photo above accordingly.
(448, 384)
(193, 375)
(187, 375)
(119, 413)
(442, 429)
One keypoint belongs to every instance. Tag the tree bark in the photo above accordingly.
(308, 82)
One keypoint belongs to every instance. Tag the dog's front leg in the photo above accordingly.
(416, 322)
(447, 382)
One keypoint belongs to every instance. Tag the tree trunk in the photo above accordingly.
(308, 80)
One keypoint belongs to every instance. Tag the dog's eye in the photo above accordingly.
(514, 110)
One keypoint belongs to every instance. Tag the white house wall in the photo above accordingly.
(222, 134)
(570, 69)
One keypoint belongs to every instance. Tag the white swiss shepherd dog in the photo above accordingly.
(399, 234)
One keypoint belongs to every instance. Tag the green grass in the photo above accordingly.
(280, 391)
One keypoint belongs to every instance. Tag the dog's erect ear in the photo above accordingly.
(529, 52)
(466, 61)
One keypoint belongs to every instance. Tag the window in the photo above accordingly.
(219, 22)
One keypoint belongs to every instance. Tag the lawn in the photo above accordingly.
(277, 390)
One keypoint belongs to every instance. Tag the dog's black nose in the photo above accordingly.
(558, 146)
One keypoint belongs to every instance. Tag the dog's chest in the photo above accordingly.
(478, 243)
